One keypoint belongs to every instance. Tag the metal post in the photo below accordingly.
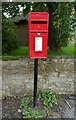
(35, 81)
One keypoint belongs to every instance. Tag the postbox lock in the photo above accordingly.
(38, 33)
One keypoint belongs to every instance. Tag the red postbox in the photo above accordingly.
(38, 34)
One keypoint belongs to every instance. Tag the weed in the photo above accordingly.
(48, 98)
(27, 111)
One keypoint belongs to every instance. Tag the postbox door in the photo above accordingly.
(38, 45)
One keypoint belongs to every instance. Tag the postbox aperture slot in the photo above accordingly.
(38, 25)
(39, 22)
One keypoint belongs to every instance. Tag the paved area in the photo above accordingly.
(70, 109)
(67, 110)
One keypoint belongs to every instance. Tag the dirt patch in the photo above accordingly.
(10, 108)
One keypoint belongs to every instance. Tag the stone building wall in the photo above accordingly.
(54, 73)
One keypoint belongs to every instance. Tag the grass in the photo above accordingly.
(22, 51)
(66, 51)
(6, 58)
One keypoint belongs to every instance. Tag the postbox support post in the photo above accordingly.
(35, 81)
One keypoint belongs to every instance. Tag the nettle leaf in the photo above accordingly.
(48, 98)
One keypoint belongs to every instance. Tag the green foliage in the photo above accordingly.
(63, 16)
(27, 111)
(48, 98)
(9, 38)
(11, 8)
(24, 103)
(39, 7)
(62, 19)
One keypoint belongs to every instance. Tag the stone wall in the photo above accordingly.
(54, 73)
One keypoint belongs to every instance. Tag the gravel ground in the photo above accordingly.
(64, 109)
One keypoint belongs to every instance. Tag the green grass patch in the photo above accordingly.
(6, 58)
(22, 51)
(66, 51)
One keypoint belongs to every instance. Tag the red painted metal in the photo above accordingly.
(38, 34)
